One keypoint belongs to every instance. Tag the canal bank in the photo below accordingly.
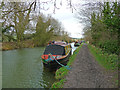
(85, 72)
(63, 71)
(15, 45)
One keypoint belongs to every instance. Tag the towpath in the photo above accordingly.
(87, 73)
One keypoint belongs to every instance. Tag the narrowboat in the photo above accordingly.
(77, 44)
(56, 54)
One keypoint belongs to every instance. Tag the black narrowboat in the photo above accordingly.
(77, 44)
(55, 54)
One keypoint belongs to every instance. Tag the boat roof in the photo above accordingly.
(61, 43)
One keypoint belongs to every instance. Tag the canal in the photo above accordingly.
(23, 68)
(0, 70)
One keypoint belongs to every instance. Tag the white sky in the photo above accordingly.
(70, 23)
(68, 20)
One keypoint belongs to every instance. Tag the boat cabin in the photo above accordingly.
(59, 51)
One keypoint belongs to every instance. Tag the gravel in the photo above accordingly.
(87, 73)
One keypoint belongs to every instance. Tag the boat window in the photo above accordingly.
(55, 50)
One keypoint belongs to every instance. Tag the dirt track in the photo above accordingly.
(87, 73)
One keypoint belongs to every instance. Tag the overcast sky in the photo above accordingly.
(68, 19)
(70, 22)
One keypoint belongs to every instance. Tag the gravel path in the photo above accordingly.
(87, 73)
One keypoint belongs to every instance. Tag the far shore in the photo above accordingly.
(0, 45)
(13, 45)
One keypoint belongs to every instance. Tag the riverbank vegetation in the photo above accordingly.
(102, 30)
(109, 61)
(63, 71)
(24, 26)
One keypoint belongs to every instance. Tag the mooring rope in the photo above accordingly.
(50, 59)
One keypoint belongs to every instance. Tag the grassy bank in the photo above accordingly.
(108, 61)
(14, 45)
(62, 72)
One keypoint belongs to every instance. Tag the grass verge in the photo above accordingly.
(108, 61)
(62, 72)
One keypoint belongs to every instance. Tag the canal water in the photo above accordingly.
(0, 70)
(23, 68)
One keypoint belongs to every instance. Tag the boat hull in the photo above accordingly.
(53, 65)
(76, 45)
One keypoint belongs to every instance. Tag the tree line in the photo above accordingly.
(102, 27)
(22, 22)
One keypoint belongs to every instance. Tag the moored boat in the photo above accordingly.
(55, 54)
(77, 44)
